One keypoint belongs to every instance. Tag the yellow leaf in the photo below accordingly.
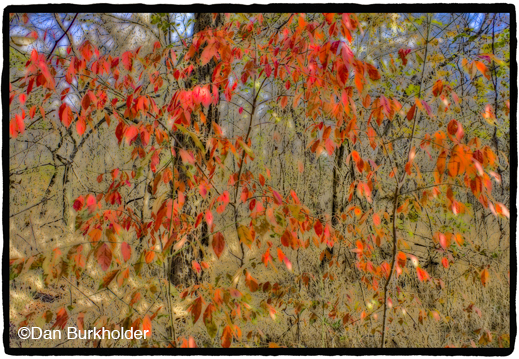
(245, 235)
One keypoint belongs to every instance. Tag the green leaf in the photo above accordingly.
(194, 137)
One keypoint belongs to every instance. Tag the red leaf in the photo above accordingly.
(286, 239)
(65, 115)
(91, 203)
(454, 128)
(410, 114)
(268, 70)
(329, 145)
(209, 218)
(81, 126)
(186, 156)
(196, 309)
(126, 250)
(78, 203)
(130, 133)
(85, 103)
(277, 198)
(318, 227)
(104, 256)
(444, 241)
(208, 53)
(403, 55)
(218, 244)
(196, 266)
(127, 60)
(288, 264)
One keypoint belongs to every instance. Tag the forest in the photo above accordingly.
(260, 180)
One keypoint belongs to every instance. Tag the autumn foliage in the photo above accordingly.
(401, 163)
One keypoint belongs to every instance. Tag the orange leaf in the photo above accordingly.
(326, 133)
(146, 326)
(61, 319)
(484, 277)
(373, 72)
(149, 257)
(483, 69)
(441, 163)
(401, 259)
(376, 220)
(95, 235)
(135, 299)
(81, 321)
(227, 337)
(422, 274)
(251, 282)
(261, 179)
(108, 278)
(437, 88)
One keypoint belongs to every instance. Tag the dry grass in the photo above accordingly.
(463, 305)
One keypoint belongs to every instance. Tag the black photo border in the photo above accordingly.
(268, 8)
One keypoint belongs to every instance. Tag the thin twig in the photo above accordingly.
(56, 43)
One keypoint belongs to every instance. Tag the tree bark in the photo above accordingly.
(181, 271)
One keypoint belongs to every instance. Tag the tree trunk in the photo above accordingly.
(181, 271)
(68, 212)
(336, 183)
